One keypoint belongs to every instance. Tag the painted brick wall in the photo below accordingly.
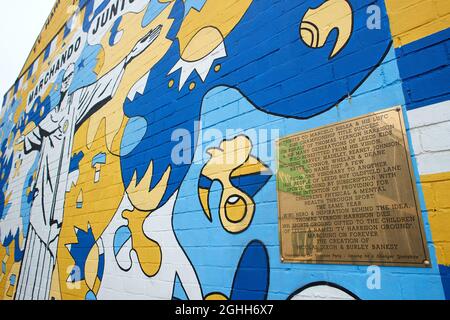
(109, 187)
(420, 33)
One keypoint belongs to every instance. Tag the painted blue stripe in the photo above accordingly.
(424, 69)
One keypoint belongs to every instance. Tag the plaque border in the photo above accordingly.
(412, 177)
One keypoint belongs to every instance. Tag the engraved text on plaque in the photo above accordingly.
(346, 195)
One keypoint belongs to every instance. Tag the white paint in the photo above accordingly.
(53, 139)
(433, 163)
(134, 284)
(72, 180)
(123, 257)
(97, 176)
(12, 223)
(429, 115)
(202, 66)
(430, 135)
(138, 87)
(322, 292)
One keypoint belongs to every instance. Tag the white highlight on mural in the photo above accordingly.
(202, 66)
(118, 284)
(138, 87)
(430, 129)
(72, 180)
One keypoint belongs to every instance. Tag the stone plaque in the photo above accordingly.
(347, 195)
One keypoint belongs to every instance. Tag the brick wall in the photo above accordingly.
(144, 212)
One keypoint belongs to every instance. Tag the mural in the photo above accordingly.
(120, 176)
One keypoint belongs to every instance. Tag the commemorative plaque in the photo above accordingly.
(347, 195)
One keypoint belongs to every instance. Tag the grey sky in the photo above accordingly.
(20, 24)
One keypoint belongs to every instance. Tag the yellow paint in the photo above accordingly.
(91, 267)
(231, 155)
(141, 197)
(202, 44)
(6, 291)
(148, 251)
(55, 289)
(216, 297)
(10, 290)
(412, 20)
(318, 23)
(80, 199)
(112, 113)
(100, 62)
(7, 198)
(222, 15)
(4, 258)
(204, 200)
(18, 147)
(236, 209)
(436, 190)
(251, 166)
(97, 285)
(100, 202)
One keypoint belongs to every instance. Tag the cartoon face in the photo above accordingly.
(68, 78)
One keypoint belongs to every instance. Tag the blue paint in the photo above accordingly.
(134, 132)
(85, 74)
(90, 296)
(251, 281)
(445, 276)
(30, 72)
(80, 251)
(297, 66)
(123, 234)
(153, 11)
(114, 31)
(75, 161)
(67, 29)
(47, 52)
(178, 291)
(192, 227)
(204, 182)
(251, 184)
(193, 4)
(275, 78)
(12, 280)
(99, 159)
(101, 266)
(425, 71)
(90, 15)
